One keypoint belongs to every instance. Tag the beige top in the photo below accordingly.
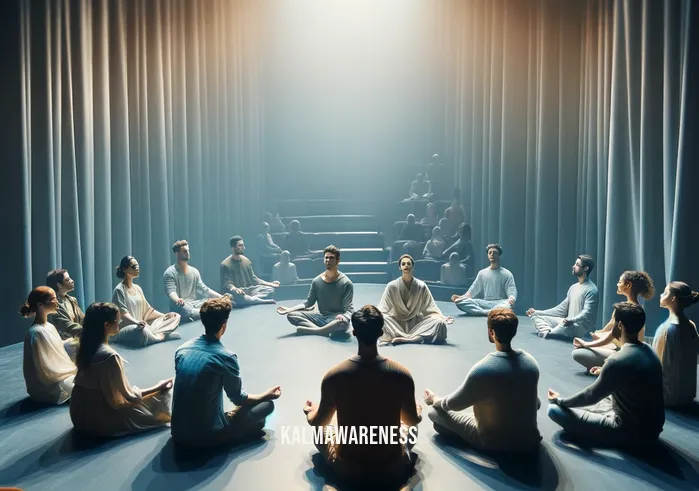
(48, 370)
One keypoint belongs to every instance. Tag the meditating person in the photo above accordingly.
(493, 287)
(495, 407)
(104, 403)
(420, 189)
(285, 271)
(48, 370)
(68, 317)
(453, 273)
(456, 212)
(631, 284)
(464, 247)
(576, 315)
(183, 284)
(409, 311)
(367, 390)
(239, 279)
(412, 231)
(633, 377)
(434, 248)
(448, 228)
(296, 242)
(265, 243)
(431, 219)
(333, 292)
(676, 343)
(204, 369)
(276, 226)
(140, 325)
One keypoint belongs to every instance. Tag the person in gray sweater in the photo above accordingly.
(576, 315)
(333, 292)
(495, 408)
(631, 380)
(493, 287)
(184, 286)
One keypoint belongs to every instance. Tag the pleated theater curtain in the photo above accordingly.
(571, 126)
(141, 125)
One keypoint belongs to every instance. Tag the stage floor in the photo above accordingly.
(39, 451)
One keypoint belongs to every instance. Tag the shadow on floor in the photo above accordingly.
(174, 468)
(686, 417)
(660, 464)
(496, 470)
(321, 477)
(72, 448)
(19, 410)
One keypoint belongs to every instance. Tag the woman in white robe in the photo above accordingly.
(104, 403)
(48, 370)
(141, 324)
(410, 313)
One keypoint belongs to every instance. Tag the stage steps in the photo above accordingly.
(353, 226)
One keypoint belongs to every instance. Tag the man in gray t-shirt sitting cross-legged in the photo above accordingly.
(333, 292)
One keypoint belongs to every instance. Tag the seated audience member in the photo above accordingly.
(285, 271)
(48, 370)
(448, 227)
(431, 219)
(453, 273)
(364, 381)
(276, 226)
(493, 287)
(239, 279)
(204, 368)
(576, 315)
(68, 317)
(140, 324)
(633, 377)
(495, 407)
(410, 313)
(457, 214)
(183, 284)
(631, 284)
(420, 189)
(296, 242)
(333, 292)
(412, 231)
(104, 403)
(464, 247)
(265, 243)
(676, 344)
(434, 248)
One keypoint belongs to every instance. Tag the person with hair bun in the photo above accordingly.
(48, 370)
(141, 324)
(104, 403)
(631, 284)
(676, 343)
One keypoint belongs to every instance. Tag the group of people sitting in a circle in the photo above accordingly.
(68, 355)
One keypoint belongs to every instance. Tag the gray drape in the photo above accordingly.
(140, 125)
(571, 124)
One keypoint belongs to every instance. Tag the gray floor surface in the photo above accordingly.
(39, 451)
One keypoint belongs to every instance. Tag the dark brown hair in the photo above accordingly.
(504, 322)
(176, 246)
(214, 313)
(55, 278)
(641, 283)
(684, 294)
(368, 324)
(333, 250)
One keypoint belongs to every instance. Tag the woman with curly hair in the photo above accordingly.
(632, 285)
(676, 343)
(141, 324)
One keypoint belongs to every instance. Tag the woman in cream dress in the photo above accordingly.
(141, 324)
(48, 370)
(104, 403)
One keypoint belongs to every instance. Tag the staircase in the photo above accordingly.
(364, 257)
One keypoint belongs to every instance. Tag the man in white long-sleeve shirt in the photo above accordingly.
(495, 408)
(493, 287)
(576, 315)
(184, 286)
